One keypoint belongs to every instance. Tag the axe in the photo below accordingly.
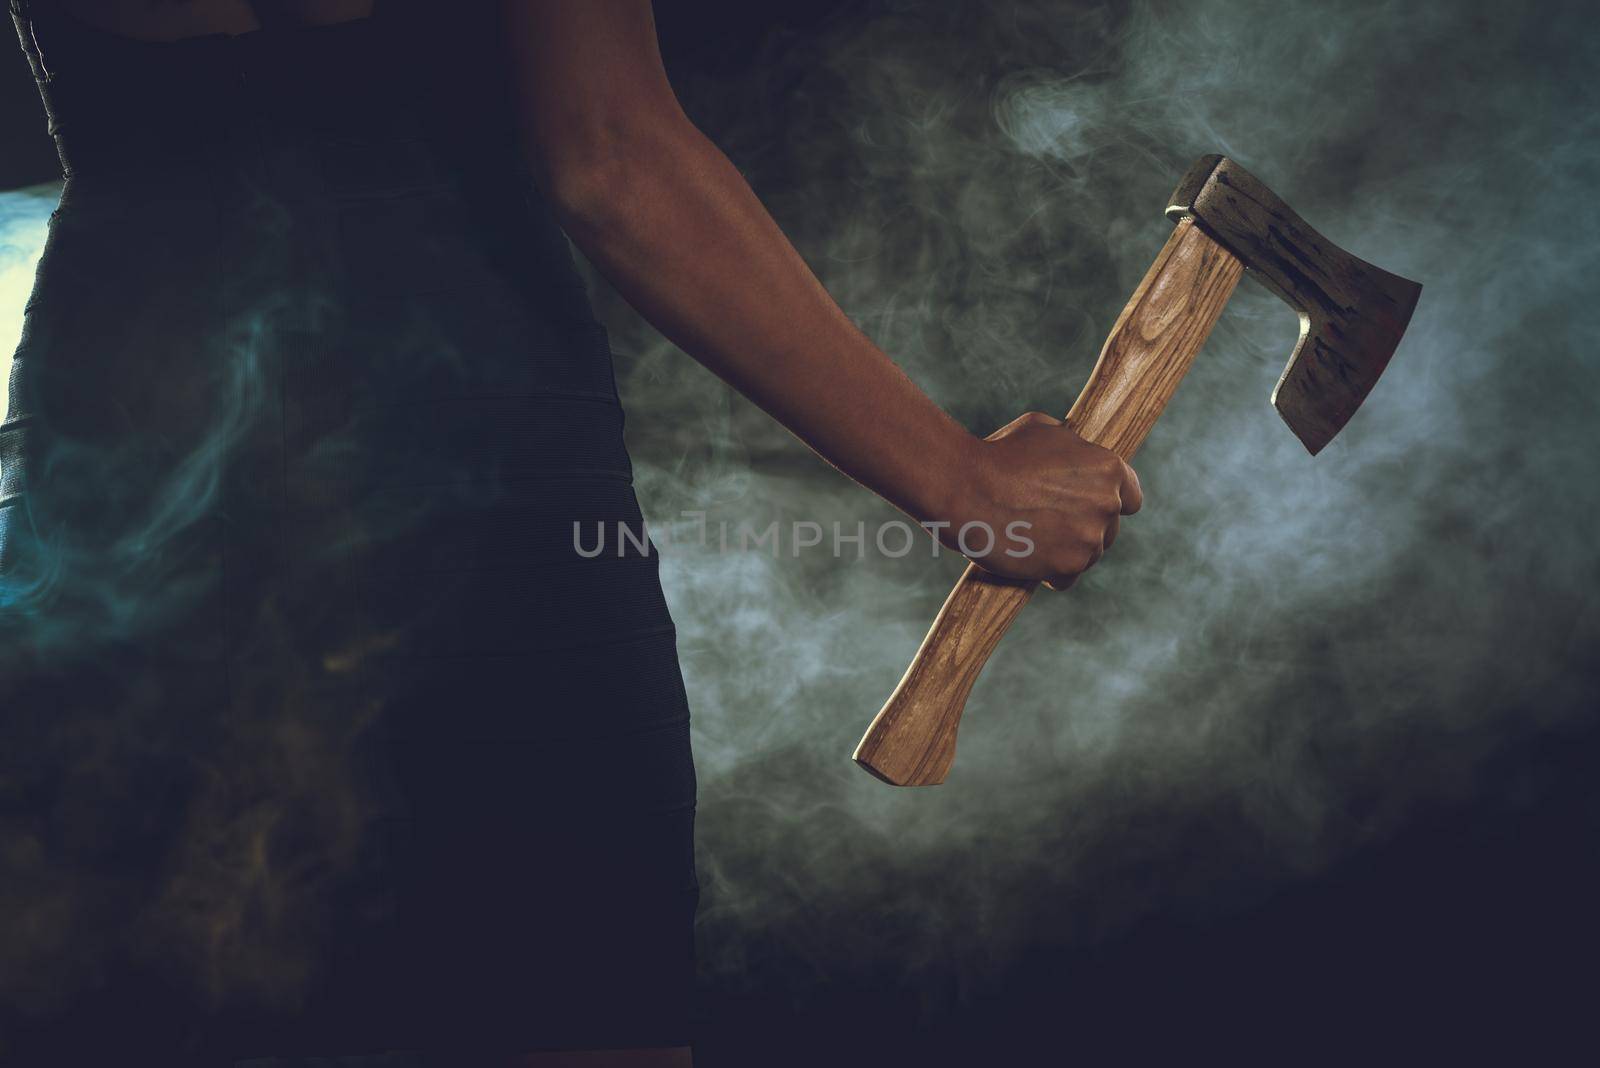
(1352, 316)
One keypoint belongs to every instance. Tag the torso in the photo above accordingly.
(173, 20)
(308, 406)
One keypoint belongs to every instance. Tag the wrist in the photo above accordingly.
(952, 474)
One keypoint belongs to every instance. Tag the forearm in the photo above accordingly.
(672, 224)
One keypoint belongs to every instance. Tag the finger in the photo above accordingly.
(1132, 491)
(1112, 530)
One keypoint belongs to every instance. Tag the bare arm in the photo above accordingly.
(673, 225)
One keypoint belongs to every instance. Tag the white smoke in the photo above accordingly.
(24, 214)
(1244, 685)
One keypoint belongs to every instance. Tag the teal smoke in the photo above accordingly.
(1284, 658)
(24, 214)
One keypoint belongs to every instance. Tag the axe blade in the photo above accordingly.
(1352, 314)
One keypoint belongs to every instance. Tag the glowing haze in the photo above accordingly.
(1283, 658)
(23, 217)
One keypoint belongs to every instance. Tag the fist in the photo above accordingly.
(1040, 503)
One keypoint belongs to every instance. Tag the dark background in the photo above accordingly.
(1307, 768)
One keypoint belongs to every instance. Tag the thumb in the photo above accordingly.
(1025, 419)
(1132, 491)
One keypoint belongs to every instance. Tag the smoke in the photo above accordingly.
(1283, 659)
(24, 215)
(194, 832)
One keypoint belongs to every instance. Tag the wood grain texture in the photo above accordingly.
(912, 740)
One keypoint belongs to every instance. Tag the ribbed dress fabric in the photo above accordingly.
(317, 734)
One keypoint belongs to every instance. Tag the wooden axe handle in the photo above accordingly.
(912, 740)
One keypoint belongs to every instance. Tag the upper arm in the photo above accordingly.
(585, 73)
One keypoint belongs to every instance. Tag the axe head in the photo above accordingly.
(1352, 314)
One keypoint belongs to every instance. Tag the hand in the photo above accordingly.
(1052, 501)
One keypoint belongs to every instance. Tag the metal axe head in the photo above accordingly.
(1352, 314)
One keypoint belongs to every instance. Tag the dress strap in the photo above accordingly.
(23, 18)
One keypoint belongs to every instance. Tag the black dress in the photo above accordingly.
(319, 734)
